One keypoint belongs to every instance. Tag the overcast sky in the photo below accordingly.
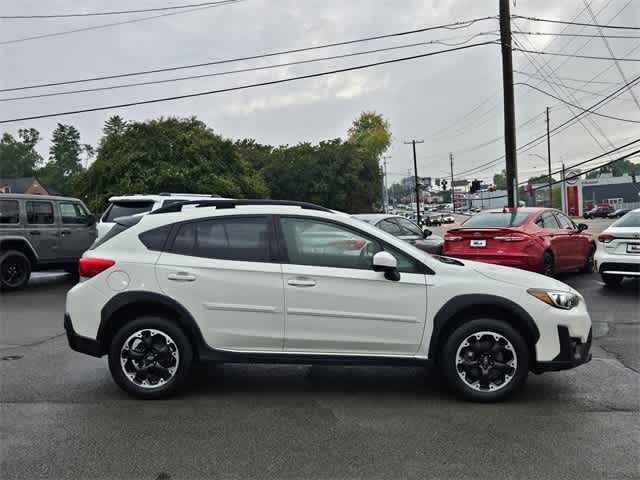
(430, 99)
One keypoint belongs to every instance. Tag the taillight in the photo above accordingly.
(90, 267)
(452, 238)
(512, 238)
(606, 238)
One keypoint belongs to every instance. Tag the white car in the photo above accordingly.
(127, 205)
(618, 252)
(243, 281)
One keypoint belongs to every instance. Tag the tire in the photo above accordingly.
(547, 265)
(611, 280)
(589, 264)
(173, 362)
(15, 270)
(512, 355)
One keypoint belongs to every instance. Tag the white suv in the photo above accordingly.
(255, 281)
(618, 253)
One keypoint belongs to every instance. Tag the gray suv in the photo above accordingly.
(39, 232)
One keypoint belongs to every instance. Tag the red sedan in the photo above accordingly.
(541, 240)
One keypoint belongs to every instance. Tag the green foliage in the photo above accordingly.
(500, 180)
(540, 179)
(64, 164)
(372, 132)
(167, 155)
(19, 158)
(617, 169)
(114, 125)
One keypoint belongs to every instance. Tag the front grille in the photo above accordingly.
(620, 267)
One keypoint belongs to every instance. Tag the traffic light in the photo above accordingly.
(443, 183)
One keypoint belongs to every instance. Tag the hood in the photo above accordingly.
(516, 276)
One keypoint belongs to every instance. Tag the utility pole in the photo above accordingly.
(453, 202)
(385, 198)
(415, 176)
(509, 104)
(549, 159)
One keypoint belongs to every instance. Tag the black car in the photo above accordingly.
(598, 212)
(405, 230)
(618, 213)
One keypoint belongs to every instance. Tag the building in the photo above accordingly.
(619, 192)
(29, 185)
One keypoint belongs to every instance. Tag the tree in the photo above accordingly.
(167, 155)
(371, 131)
(500, 180)
(617, 169)
(19, 158)
(114, 125)
(64, 159)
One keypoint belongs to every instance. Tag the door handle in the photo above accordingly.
(34, 232)
(181, 277)
(302, 282)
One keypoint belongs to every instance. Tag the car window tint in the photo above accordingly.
(631, 219)
(390, 227)
(125, 209)
(242, 239)
(322, 244)
(549, 221)
(496, 220)
(156, 238)
(565, 222)
(72, 213)
(40, 213)
(408, 227)
(9, 212)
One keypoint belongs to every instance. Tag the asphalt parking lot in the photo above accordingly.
(61, 416)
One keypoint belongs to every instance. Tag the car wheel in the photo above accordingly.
(150, 358)
(611, 280)
(485, 360)
(15, 270)
(589, 264)
(547, 266)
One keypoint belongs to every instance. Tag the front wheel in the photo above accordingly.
(485, 360)
(15, 270)
(150, 358)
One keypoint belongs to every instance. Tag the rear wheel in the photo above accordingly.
(611, 280)
(589, 263)
(547, 266)
(15, 270)
(485, 360)
(150, 358)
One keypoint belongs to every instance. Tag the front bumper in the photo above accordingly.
(573, 352)
(79, 343)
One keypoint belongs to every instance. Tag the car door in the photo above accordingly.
(575, 245)
(224, 271)
(554, 237)
(76, 236)
(43, 230)
(336, 303)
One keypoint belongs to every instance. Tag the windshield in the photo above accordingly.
(126, 208)
(631, 219)
(497, 220)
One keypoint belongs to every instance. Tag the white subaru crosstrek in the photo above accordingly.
(253, 281)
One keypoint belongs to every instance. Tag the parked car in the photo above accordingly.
(537, 239)
(238, 284)
(620, 212)
(405, 230)
(126, 205)
(432, 220)
(39, 232)
(618, 253)
(448, 218)
(598, 212)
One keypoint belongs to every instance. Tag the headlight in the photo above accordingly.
(556, 298)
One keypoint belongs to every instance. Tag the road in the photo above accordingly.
(62, 417)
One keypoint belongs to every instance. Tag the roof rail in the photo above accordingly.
(233, 203)
(203, 195)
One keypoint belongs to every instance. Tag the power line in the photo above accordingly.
(564, 22)
(568, 79)
(116, 12)
(577, 35)
(229, 72)
(243, 87)
(575, 89)
(589, 57)
(449, 26)
(113, 24)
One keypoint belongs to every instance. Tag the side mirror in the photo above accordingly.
(387, 263)
(582, 227)
(426, 233)
(91, 220)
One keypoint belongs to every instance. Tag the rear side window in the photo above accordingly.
(125, 209)
(496, 220)
(631, 219)
(40, 213)
(548, 220)
(243, 239)
(115, 230)
(156, 238)
(9, 212)
(565, 222)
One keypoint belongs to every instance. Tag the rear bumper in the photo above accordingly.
(573, 352)
(79, 343)
(617, 264)
(525, 262)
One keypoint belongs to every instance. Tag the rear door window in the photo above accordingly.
(40, 213)
(496, 220)
(548, 220)
(9, 212)
(565, 222)
(241, 238)
(125, 209)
